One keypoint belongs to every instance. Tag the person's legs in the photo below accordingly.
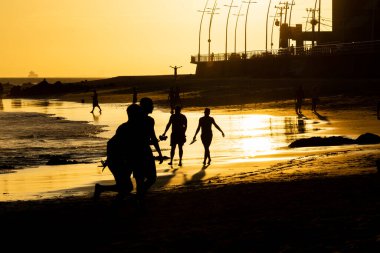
(207, 154)
(180, 151)
(172, 152)
(150, 174)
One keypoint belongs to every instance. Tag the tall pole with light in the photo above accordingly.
(209, 28)
(237, 20)
(200, 31)
(245, 27)
(228, 17)
(266, 27)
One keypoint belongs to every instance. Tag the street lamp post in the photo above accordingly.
(266, 27)
(200, 31)
(228, 16)
(237, 20)
(209, 28)
(245, 28)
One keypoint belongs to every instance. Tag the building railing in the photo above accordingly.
(365, 47)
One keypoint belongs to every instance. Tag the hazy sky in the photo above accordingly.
(104, 38)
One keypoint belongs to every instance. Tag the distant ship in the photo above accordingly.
(32, 74)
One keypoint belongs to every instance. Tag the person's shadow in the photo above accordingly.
(321, 117)
(164, 180)
(197, 177)
(96, 117)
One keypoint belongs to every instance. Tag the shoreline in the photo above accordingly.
(315, 201)
(308, 215)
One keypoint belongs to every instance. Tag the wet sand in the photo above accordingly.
(314, 200)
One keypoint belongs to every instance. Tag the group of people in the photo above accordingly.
(178, 122)
(300, 96)
(129, 152)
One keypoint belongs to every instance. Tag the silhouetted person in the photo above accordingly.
(122, 152)
(146, 175)
(1, 89)
(292, 49)
(175, 71)
(134, 96)
(205, 123)
(177, 96)
(171, 98)
(378, 110)
(95, 102)
(299, 96)
(314, 98)
(178, 121)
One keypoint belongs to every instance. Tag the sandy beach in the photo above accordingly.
(314, 200)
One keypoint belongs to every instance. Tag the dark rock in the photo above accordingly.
(321, 141)
(368, 138)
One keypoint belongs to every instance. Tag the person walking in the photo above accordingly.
(146, 174)
(178, 122)
(205, 123)
(171, 99)
(95, 102)
(134, 95)
(314, 98)
(299, 96)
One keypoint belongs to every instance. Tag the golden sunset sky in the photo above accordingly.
(105, 38)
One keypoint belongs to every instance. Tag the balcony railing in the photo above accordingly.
(366, 47)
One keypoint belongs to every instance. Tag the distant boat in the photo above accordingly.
(32, 74)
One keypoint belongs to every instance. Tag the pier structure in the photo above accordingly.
(351, 48)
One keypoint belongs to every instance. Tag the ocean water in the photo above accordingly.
(32, 131)
(22, 80)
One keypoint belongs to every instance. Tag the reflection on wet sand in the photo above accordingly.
(248, 136)
(16, 103)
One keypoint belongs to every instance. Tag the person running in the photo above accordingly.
(122, 150)
(95, 102)
(178, 121)
(205, 123)
(146, 174)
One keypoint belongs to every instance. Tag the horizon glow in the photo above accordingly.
(100, 38)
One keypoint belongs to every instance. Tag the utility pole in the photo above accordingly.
(228, 16)
(200, 32)
(237, 19)
(245, 27)
(313, 23)
(281, 8)
(290, 15)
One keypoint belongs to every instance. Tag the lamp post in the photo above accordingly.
(245, 27)
(209, 28)
(271, 37)
(266, 27)
(237, 20)
(228, 16)
(200, 31)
